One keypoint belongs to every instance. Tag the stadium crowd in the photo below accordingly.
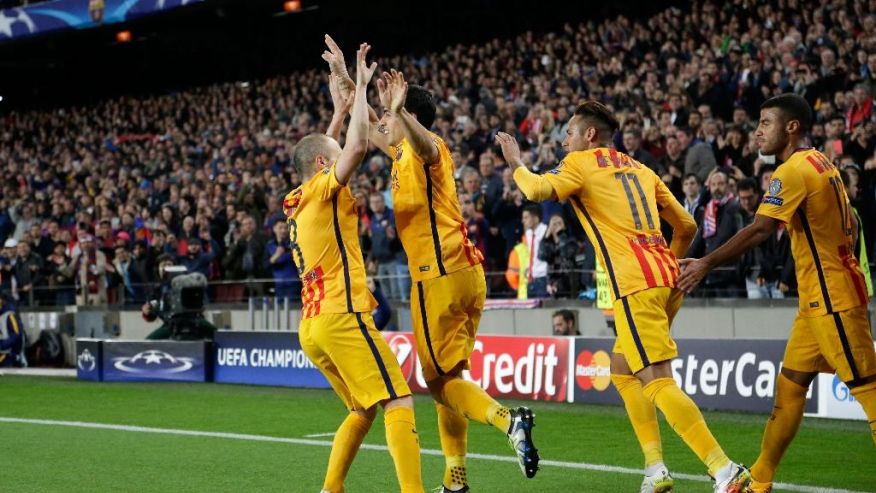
(93, 195)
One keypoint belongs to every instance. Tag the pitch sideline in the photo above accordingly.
(367, 446)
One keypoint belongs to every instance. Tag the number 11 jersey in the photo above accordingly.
(618, 201)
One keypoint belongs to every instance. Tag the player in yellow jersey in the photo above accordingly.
(831, 332)
(620, 202)
(449, 289)
(336, 331)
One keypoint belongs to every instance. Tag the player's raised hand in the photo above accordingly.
(398, 90)
(384, 92)
(341, 104)
(364, 72)
(334, 56)
(510, 148)
(692, 272)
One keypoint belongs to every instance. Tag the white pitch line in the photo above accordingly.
(318, 435)
(383, 448)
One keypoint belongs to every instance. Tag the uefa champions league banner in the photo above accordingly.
(149, 361)
(46, 17)
(529, 368)
(264, 358)
(89, 354)
(731, 375)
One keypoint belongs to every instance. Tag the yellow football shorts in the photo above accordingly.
(642, 321)
(446, 312)
(839, 342)
(354, 357)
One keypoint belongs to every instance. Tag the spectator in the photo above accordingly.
(632, 139)
(382, 232)
(88, 267)
(698, 158)
(7, 266)
(491, 182)
(61, 281)
(126, 277)
(533, 234)
(693, 197)
(28, 271)
(718, 221)
(564, 323)
(559, 249)
(280, 263)
(244, 259)
(196, 260)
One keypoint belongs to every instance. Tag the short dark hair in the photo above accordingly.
(748, 184)
(598, 116)
(421, 103)
(694, 176)
(533, 209)
(792, 107)
(568, 315)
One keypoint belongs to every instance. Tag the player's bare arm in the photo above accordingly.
(357, 135)
(535, 187)
(335, 58)
(417, 135)
(694, 270)
(342, 107)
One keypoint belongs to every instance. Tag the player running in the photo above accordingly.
(449, 289)
(620, 202)
(831, 332)
(337, 332)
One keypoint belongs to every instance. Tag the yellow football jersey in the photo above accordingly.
(618, 201)
(807, 193)
(323, 228)
(427, 214)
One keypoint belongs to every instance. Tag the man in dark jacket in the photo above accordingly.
(197, 260)
(28, 271)
(719, 220)
(244, 257)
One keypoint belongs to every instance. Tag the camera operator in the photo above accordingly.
(180, 324)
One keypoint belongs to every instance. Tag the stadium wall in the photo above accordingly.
(696, 320)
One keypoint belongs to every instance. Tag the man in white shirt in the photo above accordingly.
(533, 233)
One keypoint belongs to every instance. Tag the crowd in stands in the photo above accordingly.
(92, 195)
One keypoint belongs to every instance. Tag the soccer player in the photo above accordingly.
(337, 332)
(832, 330)
(619, 202)
(449, 289)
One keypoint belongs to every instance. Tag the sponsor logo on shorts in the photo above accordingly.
(813, 304)
(593, 370)
(424, 268)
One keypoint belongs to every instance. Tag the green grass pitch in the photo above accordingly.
(51, 458)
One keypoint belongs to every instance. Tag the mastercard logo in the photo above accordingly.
(593, 370)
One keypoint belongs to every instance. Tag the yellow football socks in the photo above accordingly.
(348, 438)
(404, 447)
(866, 395)
(687, 421)
(780, 428)
(471, 401)
(643, 417)
(453, 432)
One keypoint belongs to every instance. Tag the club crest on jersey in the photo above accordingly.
(398, 152)
(559, 168)
(775, 186)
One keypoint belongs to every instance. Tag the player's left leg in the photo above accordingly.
(643, 321)
(346, 444)
(403, 443)
(854, 357)
(643, 417)
(801, 363)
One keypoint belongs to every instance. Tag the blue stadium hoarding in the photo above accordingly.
(729, 375)
(59, 15)
(264, 358)
(88, 359)
(149, 361)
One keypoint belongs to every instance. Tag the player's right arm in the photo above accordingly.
(535, 187)
(335, 58)
(684, 228)
(356, 144)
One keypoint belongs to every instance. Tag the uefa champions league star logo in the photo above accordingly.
(8, 21)
(86, 361)
(153, 361)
